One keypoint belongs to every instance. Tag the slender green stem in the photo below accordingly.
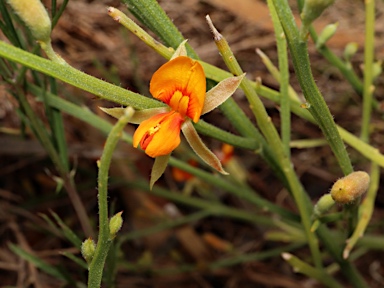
(48, 49)
(7, 27)
(57, 14)
(316, 103)
(333, 242)
(272, 137)
(103, 244)
(153, 16)
(58, 128)
(128, 23)
(368, 70)
(346, 70)
(302, 267)
(285, 113)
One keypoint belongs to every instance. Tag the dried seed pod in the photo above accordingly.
(351, 187)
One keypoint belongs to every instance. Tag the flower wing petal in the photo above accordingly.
(181, 74)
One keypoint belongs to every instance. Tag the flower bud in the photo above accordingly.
(350, 50)
(377, 69)
(326, 34)
(34, 15)
(350, 188)
(115, 224)
(312, 10)
(88, 248)
(322, 206)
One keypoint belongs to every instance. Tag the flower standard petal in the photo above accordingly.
(183, 75)
(199, 147)
(160, 134)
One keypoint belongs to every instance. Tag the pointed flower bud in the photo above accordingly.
(322, 206)
(377, 69)
(350, 50)
(326, 34)
(350, 188)
(115, 224)
(88, 248)
(34, 15)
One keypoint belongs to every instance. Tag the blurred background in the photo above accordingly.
(88, 39)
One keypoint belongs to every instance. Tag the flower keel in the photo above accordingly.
(160, 134)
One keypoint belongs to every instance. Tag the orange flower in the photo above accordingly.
(160, 134)
(180, 83)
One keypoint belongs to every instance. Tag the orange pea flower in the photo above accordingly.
(179, 83)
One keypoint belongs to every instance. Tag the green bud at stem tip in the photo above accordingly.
(326, 34)
(322, 206)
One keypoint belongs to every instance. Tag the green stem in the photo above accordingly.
(346, 70)
(333, 243)
(273, 139)
(153, 16)
(368, 69)
(285, 113)
(316, 103)
(57, 128)
(104, 242)
(302, 267)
